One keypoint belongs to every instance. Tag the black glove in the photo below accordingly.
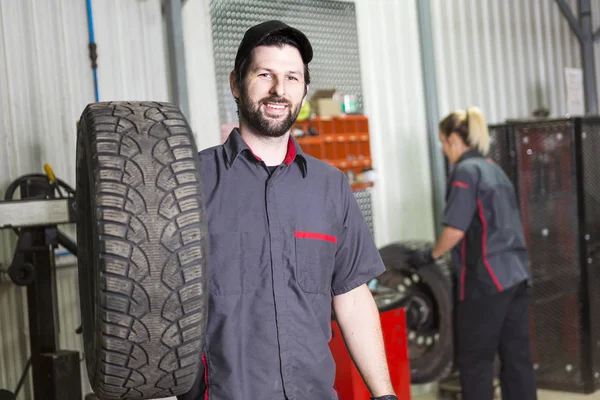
(421, 257)
(386, 397)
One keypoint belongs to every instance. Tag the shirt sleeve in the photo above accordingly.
(461, 203)
(357, 259)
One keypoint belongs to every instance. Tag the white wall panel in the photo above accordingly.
(45, 83)
(393, 95)
(200, 68)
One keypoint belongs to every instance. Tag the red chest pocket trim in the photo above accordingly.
(460, 184)
(315, 236)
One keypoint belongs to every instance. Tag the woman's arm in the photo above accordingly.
(449, 238)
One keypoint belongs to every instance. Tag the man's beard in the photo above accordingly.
(252, 114)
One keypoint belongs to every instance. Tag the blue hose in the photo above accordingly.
(96, 85)
(92, 46)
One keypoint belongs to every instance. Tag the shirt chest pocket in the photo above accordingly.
(315, 259)
(236, 261)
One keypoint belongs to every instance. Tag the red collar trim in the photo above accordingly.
(291, 152)
(289, 157)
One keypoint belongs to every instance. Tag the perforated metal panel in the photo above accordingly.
(329, 25)
(591, 144)
(556, 167)
(363, 197)
(495, 147)
(590, 134)
(500, 149)
(548, 197)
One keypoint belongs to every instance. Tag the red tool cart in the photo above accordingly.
(348, 381)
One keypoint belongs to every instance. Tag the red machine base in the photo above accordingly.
(348, 381)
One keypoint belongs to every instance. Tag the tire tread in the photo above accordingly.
(151, 250)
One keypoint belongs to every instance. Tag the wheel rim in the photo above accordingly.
(388, 299)
(422, 317)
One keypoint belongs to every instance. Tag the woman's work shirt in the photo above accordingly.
(481, 201)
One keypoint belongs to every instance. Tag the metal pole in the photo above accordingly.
(587, 345)
(436, 157)
(176, 54)
(583, 31)
(587, 56)
(568, 14)
(43, 310)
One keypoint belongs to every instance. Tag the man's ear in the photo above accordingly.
(305, 95)
(233, 84)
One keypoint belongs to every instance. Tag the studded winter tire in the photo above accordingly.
(141, 234)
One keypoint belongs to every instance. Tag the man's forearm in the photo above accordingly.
(358, 318)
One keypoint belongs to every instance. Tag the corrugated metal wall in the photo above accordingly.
(45, 83)
(506, 56)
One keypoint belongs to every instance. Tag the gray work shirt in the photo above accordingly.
(280, 245)
(481, 201)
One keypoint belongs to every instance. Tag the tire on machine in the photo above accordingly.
(428, 302)
(141, 232)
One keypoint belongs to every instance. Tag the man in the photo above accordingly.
(287, 240)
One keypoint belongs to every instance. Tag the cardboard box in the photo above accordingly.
(324, 104)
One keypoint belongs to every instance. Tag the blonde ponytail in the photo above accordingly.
(479, 137)
(475, 135)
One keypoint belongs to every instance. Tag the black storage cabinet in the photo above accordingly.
(555, 167)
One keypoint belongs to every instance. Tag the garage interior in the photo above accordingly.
(384, 73)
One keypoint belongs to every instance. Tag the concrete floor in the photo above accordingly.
(431, 394)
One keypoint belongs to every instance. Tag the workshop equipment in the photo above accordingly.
(34, 218)
(426, 295)
(554, 166)
(349, 383)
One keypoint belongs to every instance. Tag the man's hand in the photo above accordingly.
(388, 397)
(358, 318)
(421, 257)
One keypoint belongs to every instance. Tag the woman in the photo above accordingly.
(482, 227)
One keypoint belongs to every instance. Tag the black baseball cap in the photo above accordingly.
(257, 33)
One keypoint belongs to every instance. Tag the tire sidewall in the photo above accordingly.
(438, 362)
(88, 265)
